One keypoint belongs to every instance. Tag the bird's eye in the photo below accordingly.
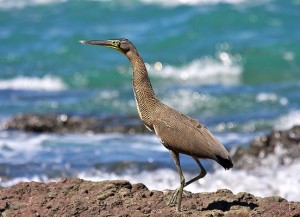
(116, 43)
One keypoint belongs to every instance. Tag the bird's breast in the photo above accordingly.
(144, 112)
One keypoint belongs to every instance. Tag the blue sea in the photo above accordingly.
(232, 64)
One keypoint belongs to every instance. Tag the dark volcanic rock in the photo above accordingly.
(76, 197)
(285, 145)
(75, 124)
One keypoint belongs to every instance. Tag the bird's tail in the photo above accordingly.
(225, 162)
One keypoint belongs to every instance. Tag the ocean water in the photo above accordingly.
(232, 64)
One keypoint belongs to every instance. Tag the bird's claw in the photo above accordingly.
(174, 198)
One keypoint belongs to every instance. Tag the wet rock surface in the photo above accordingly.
(284, 146)
(76, 197)
(74, 124)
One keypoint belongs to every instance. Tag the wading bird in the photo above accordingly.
(179, 133)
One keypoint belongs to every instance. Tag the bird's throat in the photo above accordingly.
(144, 95)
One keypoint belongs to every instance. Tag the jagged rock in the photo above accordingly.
(76, 197)
(74, 124)
(284, 145)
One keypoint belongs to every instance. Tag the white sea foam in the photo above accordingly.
(271, 97)
(46, 83)
(7, 4)
(13, 144)
(203, 71)
(287, 121)
(11, 182)
(188, 101)
(282, 181)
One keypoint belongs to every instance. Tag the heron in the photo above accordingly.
(179, 133)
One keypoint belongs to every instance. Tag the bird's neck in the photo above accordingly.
(143, 92)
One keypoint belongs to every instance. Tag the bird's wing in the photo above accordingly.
(185, 135)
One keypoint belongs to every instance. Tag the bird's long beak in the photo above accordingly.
(113, 43)
(106, 43)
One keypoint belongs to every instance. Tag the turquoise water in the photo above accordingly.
(233, 64)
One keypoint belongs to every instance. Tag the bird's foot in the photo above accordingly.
(174, 198)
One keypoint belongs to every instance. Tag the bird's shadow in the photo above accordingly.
(226, 206)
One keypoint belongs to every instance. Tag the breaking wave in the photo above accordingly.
(204, 71)
(288, 120)
(192, 2)
(7, 4)
(46, 83)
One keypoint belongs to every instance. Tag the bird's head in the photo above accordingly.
(122, 45)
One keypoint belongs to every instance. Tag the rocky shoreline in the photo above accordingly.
(282, 144)
(76, 197)
(63, 123)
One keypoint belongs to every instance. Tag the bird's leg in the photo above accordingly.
(177, 195)
(201, 175)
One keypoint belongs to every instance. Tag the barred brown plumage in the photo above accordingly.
(179, 133)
